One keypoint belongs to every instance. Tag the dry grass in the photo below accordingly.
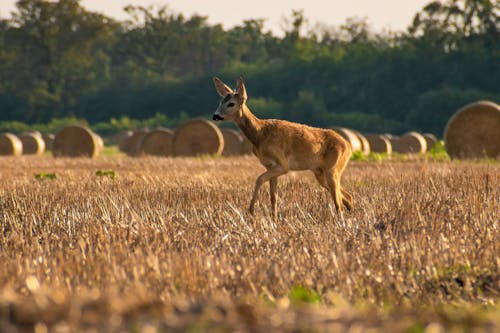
(167, 245)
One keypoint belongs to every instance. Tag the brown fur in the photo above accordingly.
(282, 146)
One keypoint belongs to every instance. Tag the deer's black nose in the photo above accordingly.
(217, 117)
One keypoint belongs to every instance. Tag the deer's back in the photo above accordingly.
(304, 147)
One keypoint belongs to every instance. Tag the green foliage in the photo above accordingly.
(438, 152)
(124, 123)
(53, 126)
(301, 295)
(371, 123)
(377, 156)
(266, 108)
(60, 52)
(357, 156)
(66, 62)
(111, 150)
(115, 125)
(416, 328)
(112, 127)
(435, 107)
(106, 173)
(309, 108)
(14, 127)
(43, 175)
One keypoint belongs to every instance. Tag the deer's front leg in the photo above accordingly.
(266, 176)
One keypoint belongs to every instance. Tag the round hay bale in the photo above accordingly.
(10, 145)
(49, 140)
(393, 140)
(379, 143)
(246, 146)
(157, 143)
(197, 137)
(100, 142)
(131, 144)
(233, 142)
(411, 142)
(76, 141)
(474, 131)
(33, 144)
(365, 145)
(350, 137)
(431, 140)
(38, 133)
(390, 136)
(122, 140)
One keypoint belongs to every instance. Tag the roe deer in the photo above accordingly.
(282, 146)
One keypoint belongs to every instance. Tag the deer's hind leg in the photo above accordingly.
(333, 181)
(273, 189)
(320, 177)
(347, 200)
(345, 196)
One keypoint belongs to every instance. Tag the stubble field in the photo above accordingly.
(168, 245)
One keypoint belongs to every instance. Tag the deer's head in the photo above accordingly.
(231, 105)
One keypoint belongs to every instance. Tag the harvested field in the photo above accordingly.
(167, 245)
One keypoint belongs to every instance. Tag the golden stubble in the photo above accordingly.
(177, 229)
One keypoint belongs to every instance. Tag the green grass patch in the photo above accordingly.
(44, 175)
(303, 295)
(111, 151)
(377, 157)
(357, 156)
(106, 173)
(438, 152)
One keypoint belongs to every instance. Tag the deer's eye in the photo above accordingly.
(230, 105)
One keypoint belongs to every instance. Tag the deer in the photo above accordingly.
(282, 146)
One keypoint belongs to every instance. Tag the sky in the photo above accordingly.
(393, 15)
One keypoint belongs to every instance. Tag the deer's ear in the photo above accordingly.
(240, 88)
(221, 88)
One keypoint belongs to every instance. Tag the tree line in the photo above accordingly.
(58, 59)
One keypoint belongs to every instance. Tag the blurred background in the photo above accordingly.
(118, 65)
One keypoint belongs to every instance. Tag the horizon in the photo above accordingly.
(384, 15)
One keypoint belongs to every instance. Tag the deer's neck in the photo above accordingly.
(250, 125)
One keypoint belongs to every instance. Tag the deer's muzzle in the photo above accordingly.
(217, 117)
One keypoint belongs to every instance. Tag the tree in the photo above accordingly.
(435, 107)
(60, 53)
(170, 45)
(458, 17)
(58, 59)
(248, 41)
